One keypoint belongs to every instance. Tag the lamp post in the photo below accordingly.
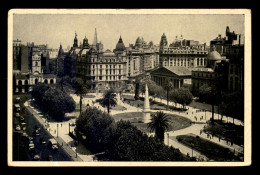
(205, 115)
(69, 128)
(57, 129)
(192, 145)
(168, 139)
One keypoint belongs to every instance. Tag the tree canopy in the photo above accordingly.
(53, 101)
(109, 99)
(96, 126)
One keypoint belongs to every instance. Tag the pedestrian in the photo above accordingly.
(219, 139)
(202, 117)
(61, 125)
(231, 143)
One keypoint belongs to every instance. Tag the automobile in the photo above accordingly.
(30, 138)
(53, 144)
(73, 124)
(18, 128)
(21, 118)
(36, 157)
(42, 140)
(36, 132)
(25, 134)
(50, 158)
(17, 114)
(31, 146)
(24, 128)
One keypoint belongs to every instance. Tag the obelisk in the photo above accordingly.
(146, 111)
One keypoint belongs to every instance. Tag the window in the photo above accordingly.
(100, 66)
(119, 66)
(100, 77)
(119, 71)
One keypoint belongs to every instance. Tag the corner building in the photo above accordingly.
(103, 70)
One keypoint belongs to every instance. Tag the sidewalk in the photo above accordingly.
(49, 127)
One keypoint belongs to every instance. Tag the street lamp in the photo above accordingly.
(168, 139)
(192, 145)
(57, 129)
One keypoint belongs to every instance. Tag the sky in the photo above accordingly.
(53, 29)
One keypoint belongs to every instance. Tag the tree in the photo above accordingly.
(57, 103)
(93, 126)
(168, 86)
(80, 90)
(38, 92)
(109, 99)
(128, 143)
(160, 123)
(209, 94)
(182, 96)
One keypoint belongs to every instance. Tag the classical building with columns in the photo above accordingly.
(179, 76)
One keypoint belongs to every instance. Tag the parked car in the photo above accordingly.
(42, 140)
(21, 118)
(36, 157)
(18, 128)
(50, 158)
(31, 146)
(36, 132)
(53, 144)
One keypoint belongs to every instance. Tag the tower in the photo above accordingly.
(36, 63)
(85, 43)
(75, 41)
(146, 111)
(95, 39)
(60, 53)
(163, 42)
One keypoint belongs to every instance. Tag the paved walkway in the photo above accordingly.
(63, 138)
(199, 120)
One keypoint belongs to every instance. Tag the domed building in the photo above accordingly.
(213, 58)
(120, 46)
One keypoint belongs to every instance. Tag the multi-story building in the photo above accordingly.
(20, 57)
(30, 67)
(185, 53)
(236, 68)
(102, 69)
(222, 44)
(141, 57)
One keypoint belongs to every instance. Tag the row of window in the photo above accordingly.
(107, 77)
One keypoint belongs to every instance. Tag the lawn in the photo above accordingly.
(203, 106)
(153, 104)
(135, 118)
(228, 131)
(211, 150)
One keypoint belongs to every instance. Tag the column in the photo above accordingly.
(179, 83)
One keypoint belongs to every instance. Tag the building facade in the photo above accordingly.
(103, 70)
(31, 70)
(179, 76)
(181, 52)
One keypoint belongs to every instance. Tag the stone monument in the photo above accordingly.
(146, 111)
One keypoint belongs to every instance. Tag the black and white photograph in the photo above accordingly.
(119, 87)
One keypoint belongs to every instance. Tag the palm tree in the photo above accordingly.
(81, 91)
(168, 86)
(109, 99)
(160, 123)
